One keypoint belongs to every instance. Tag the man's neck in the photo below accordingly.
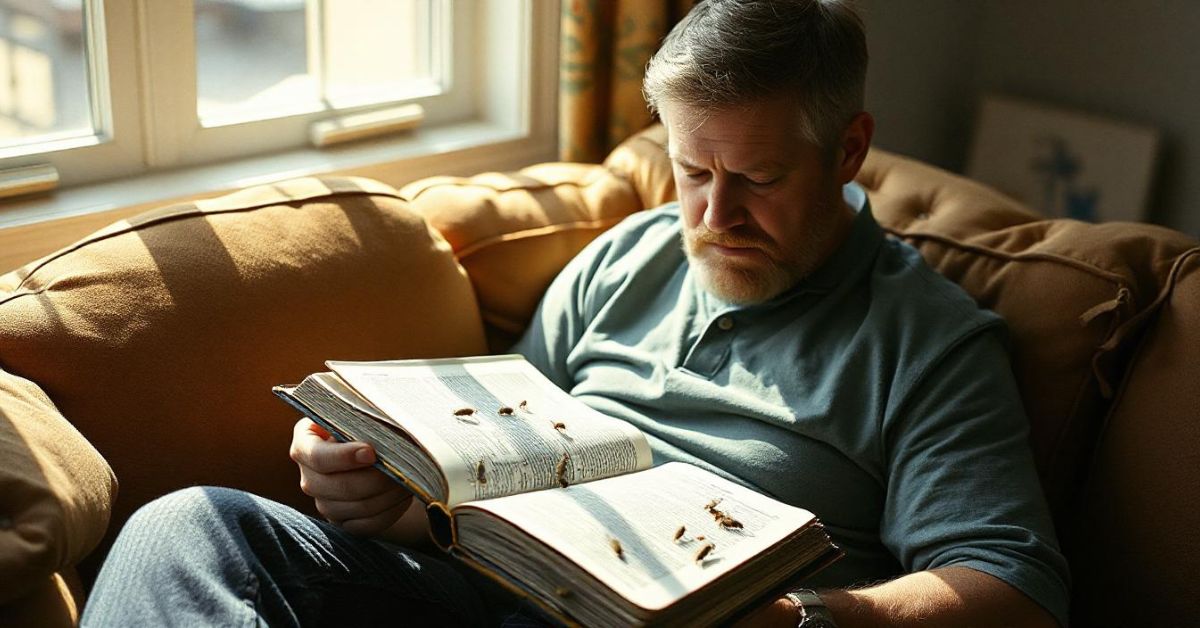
(839, 232)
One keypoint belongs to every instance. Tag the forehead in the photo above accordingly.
(765, 130)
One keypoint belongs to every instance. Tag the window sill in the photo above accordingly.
(460, 149)
(36, 226)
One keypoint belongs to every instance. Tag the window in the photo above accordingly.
(44, 92)
(55, 85)
(335, 54)
(102, 89)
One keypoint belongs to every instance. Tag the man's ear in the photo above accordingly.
(856, 141)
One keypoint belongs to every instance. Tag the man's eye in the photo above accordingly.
(761, 181)
(696, 174)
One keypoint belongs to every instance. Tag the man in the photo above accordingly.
(763, 328)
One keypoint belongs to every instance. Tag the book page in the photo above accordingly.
(496, 425)
(346, 394)
(642, 512)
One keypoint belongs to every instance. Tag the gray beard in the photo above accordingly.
(742, 285)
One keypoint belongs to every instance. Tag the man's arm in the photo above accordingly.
(964, 511)
(948, 596)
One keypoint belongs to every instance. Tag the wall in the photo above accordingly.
(919, 82)
(1135, 61)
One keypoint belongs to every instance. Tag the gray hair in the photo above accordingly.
(729, 52)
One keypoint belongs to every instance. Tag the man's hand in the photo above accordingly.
(339, 477)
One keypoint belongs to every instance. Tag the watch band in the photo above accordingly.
(813, 612)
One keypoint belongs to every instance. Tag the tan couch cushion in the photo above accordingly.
(643, 160)
(513, 232)
(1141, 512)
(55, 602)
(56, 491)
(160, 338)
(1075, 295)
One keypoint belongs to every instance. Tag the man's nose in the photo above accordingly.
(724, 210)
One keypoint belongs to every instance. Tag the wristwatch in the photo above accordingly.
(813, 612)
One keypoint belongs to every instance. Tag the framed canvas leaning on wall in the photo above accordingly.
(1063, 163)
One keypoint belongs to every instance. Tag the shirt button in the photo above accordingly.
(725, 323)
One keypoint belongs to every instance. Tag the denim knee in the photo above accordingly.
(178, 560)
(202, 509)
(220, 556)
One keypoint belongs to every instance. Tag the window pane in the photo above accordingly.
(378, 50)
(252, 59)
(259, 59)
(43, 75)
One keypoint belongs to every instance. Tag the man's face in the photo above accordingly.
(761, 205)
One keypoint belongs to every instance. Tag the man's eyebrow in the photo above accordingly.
(677, 158)
(769, 167)
(765, 167)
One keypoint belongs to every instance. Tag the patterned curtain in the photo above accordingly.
(603, 54)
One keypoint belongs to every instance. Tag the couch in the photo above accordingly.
(140, 359)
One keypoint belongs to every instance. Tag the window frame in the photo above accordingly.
(179, 136)
(505, 120)
(115, 147)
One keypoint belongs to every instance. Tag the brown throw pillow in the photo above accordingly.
(56, 491)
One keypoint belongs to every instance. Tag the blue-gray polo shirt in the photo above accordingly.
(875, 394)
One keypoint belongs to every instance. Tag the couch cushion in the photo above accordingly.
(160, 337)
(56, 491)
(513, 232)
(1076, 297)
(54, 602)
(642, 159)
(1140, 515)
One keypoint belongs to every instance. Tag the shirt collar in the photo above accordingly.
(855, 254)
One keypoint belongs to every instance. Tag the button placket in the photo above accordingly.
(711, 350)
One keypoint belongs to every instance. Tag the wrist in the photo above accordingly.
(811, 609)
(853, 608)
(411, 528)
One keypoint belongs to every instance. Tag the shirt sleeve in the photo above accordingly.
(962, 487)
(586, 283)
(563, 314)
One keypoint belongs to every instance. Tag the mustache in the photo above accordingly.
(731, 240)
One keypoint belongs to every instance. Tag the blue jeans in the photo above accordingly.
(221, 557)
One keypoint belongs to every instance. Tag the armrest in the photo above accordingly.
(56, 491)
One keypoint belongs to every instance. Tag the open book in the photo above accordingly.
(559, 502)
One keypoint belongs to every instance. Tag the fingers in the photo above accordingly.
(376, 513)
(346, 489)
(312, 426)
(314, 448)
(353, 485)
(373, 526)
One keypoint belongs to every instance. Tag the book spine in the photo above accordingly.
(441, 526)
